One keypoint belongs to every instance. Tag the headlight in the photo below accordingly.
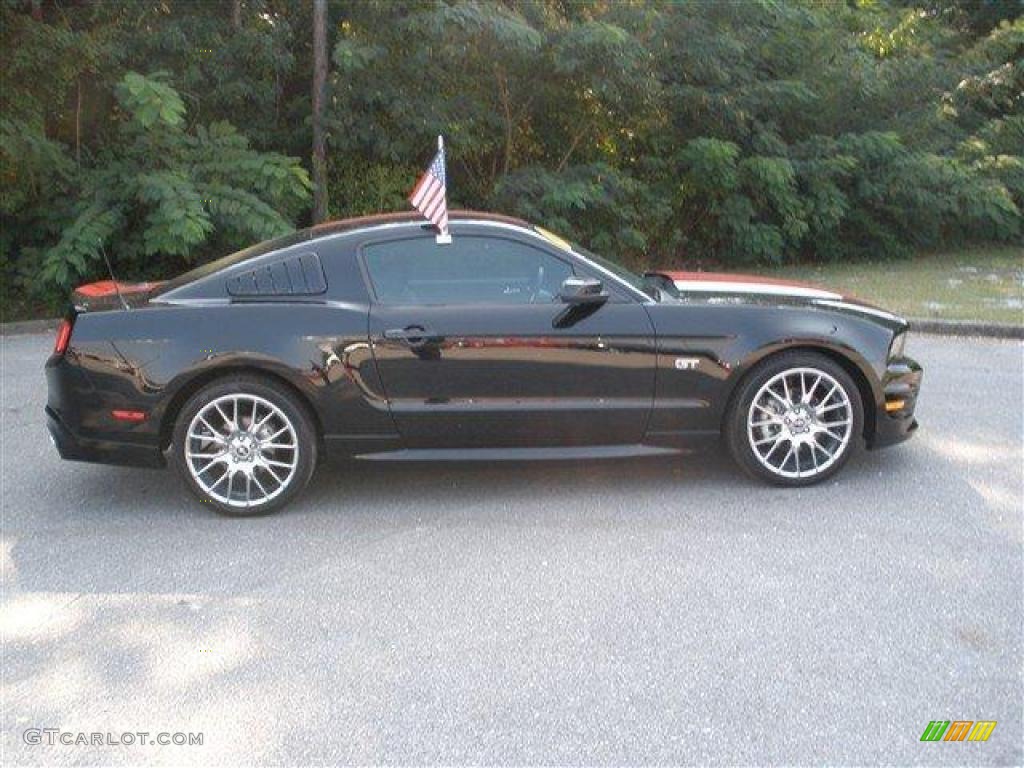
(898, 342)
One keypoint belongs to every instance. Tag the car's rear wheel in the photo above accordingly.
(795, 420)
(244, 445)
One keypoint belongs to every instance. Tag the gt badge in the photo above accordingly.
(687, 363)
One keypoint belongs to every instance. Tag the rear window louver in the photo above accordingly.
(300, 275)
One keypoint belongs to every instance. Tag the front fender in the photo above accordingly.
(699, 373)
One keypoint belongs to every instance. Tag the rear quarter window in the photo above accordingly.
(300, 274)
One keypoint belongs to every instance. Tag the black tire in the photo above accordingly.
(289, 406)
(739, 441)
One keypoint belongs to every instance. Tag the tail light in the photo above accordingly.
(60, 346)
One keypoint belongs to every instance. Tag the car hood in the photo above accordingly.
(728, 286)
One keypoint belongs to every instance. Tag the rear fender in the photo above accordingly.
(152, 360)
(183, 387)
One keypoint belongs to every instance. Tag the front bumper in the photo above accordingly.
(901, 386)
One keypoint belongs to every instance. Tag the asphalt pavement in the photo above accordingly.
(657, 611)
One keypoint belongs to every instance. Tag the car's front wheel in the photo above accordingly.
(795, 420)
(245, 445)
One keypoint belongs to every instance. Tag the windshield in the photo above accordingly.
(618, 270)
(645, 285)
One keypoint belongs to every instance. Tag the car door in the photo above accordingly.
(475, 349)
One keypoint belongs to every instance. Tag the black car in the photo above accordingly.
(368, 338)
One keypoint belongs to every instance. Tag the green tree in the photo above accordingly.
(166, 190)
(654, 131)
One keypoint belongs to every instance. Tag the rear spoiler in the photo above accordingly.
(103, 295)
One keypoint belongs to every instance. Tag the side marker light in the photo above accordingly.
(129, 415)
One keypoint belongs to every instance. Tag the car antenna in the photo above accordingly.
(110, 269)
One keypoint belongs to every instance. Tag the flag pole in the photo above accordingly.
(443, 238)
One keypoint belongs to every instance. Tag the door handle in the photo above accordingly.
(411, 334)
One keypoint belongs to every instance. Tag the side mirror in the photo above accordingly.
(582, 290)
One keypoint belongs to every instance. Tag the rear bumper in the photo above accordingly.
(901, 386)
(78, 417)
(74, 448)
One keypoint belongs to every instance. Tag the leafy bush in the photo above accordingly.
(164, 191)
(595, 203)
(738, 133)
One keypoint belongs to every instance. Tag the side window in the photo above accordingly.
(470, 270)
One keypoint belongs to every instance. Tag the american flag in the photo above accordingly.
(430, 195)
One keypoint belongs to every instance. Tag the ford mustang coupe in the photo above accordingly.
(370, 339)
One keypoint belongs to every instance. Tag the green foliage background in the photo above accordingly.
(168, 132)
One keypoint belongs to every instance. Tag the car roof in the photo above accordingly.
(321, 231)
(383, 219)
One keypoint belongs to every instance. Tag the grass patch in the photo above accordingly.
(980, 284)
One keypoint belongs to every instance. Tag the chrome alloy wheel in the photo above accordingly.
(800, 422)
(241, 450)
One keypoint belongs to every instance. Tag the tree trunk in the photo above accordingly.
(78, 124)
(236, 14)
(506, 108)
(319, 87)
